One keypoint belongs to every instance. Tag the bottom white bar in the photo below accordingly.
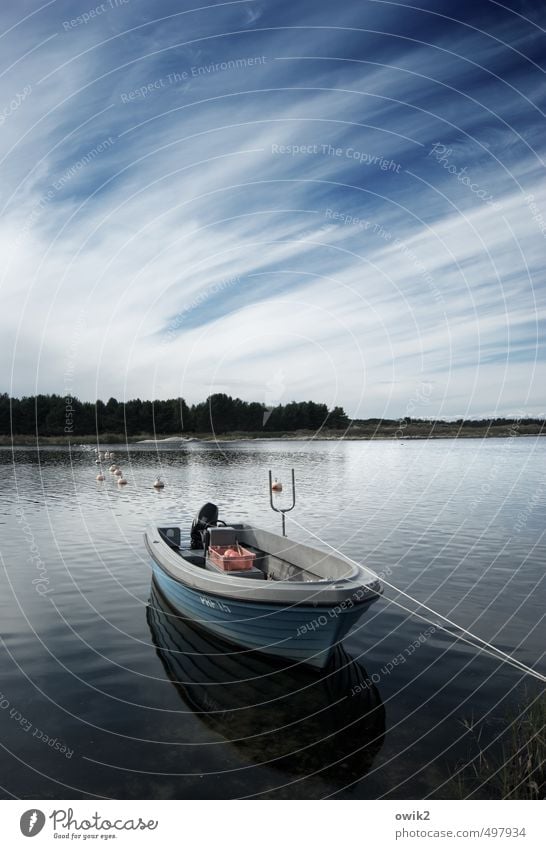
(266, 824)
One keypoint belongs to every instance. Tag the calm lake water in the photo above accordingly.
(103, 695)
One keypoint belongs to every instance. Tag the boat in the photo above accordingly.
(316, 726)
(260, 590)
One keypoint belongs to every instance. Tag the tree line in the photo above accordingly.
(57, 415)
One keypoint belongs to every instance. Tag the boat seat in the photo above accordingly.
(243, 573)
(193, 557)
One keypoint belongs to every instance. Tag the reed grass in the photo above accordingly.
(514, 770)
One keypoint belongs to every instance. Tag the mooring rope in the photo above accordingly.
(479, 644)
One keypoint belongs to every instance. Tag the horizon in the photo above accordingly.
(245, 198)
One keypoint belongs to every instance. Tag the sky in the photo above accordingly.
(340, 202)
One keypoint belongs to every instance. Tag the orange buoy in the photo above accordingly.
(158, 483)
(276, 486)
(100, 477)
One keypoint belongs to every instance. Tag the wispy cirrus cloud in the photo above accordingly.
(162, 151)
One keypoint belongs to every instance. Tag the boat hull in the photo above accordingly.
(297, 633)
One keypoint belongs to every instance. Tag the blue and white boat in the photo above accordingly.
(294, 602)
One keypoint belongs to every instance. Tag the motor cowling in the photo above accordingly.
(206, 517)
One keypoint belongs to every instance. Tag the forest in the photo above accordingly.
(57, 415)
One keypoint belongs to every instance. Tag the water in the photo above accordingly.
(88, 706)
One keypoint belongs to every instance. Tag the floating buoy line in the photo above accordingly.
(116, 471)
(479, 643)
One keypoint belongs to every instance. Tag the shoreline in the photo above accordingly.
(22, 441)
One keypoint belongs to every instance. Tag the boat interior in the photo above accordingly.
(266, 566)
(276, 557)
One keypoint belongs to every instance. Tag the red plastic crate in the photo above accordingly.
(245, 560)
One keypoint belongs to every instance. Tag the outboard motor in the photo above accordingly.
(207, 517)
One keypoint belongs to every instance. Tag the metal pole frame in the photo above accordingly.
(282, 510)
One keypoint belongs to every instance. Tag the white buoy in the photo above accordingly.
(122, 480)
(112, 455)
(97, 462)
(158, 483)
(100, 477)
(106, 455)
(118, 473)
(113, 468)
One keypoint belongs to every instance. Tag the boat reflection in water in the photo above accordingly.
(303, 721)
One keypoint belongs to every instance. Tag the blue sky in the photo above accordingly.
(340, 202)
